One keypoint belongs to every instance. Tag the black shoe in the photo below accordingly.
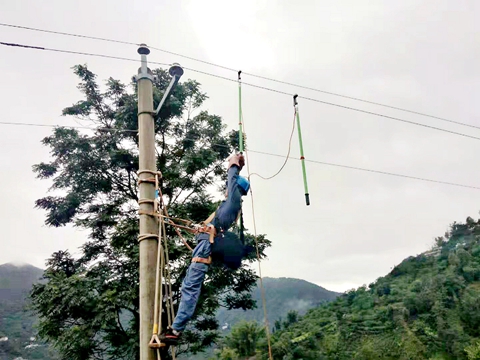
(170, 336)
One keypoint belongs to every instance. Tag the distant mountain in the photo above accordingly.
(16, 325)
(17, 280)
(282, 295)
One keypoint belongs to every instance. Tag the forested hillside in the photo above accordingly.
(427, 307)
(17, 335)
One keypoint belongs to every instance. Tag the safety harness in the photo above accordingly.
(224, 249)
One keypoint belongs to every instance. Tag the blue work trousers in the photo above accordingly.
(192, 284)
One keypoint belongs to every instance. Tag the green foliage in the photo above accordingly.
(226, 354)
(92, 301)
(473, 351)
(245, 337)
(242, 342)
(427, 308)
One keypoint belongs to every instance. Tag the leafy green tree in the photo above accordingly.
(245, 337)
(226, 354)
(473, 351)
(470, 311)
(292, 318)
(88, 308)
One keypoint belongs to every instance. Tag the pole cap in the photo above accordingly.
(175, 70)
(143, 49)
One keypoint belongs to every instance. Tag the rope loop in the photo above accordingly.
(142, 237)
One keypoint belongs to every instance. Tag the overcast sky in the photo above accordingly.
(419, 55)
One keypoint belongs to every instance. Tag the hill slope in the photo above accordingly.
(282, 295)
(16, 326)
(427, 307)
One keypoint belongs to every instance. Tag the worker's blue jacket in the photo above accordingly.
(227, 212)
(228, 248)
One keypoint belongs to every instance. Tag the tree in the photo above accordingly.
(473, 351)
(88, 308)
(292, 318)
(244, 338)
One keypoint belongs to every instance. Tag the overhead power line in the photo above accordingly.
(268, 154)
(66, 126)
(245, 73)
(74, 52)
(253, 85)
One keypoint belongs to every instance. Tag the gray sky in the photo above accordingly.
(420, 55)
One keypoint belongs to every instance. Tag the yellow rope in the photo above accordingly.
(262, 289)
(162, 273)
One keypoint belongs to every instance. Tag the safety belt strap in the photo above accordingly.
(197, 259)
(210, 218)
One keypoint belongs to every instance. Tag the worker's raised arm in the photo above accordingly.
(235, 165)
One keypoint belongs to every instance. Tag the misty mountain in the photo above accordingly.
(282, 295)
(17, 335)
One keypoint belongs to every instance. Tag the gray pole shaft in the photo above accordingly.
(148, 224)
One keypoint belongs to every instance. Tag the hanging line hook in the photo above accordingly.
(240, 122)
(302, 157)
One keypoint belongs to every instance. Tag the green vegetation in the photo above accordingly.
(428, 307)
(243, 340)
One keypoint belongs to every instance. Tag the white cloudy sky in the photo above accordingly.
(419, 55)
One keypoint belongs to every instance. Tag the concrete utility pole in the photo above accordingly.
(148, 237)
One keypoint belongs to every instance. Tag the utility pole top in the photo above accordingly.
(175, 70)
(143, 49)
(144, 72)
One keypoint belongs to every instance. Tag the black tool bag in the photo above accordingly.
(229, 250)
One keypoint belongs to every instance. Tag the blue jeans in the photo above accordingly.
(192, 284)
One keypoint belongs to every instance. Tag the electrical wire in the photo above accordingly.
(244, 72)
(74, 52)
(66, 126)
(286, 157)
(411, 177)
(247, 73)
(259, 87)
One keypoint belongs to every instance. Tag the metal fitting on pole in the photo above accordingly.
(144, 72)
(176, 72)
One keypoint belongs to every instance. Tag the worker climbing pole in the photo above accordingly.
(215, 243)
